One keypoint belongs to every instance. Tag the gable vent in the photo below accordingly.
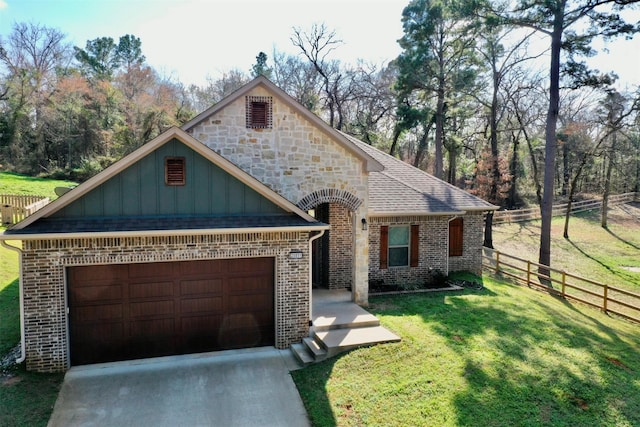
(259, 112)
(174, 171)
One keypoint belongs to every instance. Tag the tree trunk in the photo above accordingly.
(607, 183)
(513, 171)
(551, 143)
(488, 230)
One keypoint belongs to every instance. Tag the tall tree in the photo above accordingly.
(437, 61)
(260, 68)
(571, 26)
(31, 58)
(99, 59)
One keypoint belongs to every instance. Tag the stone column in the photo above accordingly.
(360, 290)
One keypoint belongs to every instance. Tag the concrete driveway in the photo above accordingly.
(230, 388)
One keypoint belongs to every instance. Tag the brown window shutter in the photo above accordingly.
(455, 237)
(384, 247)
(415, 245)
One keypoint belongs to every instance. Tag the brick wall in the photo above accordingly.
(471, 259)
(340, 247)
(434, 250)
(44, 285)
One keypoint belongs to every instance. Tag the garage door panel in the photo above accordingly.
(152, 308)
(196, 325)
(208, 268)
(152, 329)
(201, 287)
(98, 313)
(201, 305)
(150, 290)
(90, 274)
(96, 294)
(159, 269)
(157, 309)
(253, 284)
(109, 332)
(249, 302)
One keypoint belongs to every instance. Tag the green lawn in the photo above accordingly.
(590, 251)
(12, 183)
(503, 356)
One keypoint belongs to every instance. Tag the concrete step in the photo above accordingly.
(317, 352)
(336, 341)
(343, 316)
(302, 354)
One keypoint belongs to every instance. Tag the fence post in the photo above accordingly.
(497, 262)
(564, 278)
(604, 298)
(529, 273)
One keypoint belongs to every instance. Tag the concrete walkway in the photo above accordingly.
(231, 388)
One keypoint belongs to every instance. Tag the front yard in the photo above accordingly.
(501, 356)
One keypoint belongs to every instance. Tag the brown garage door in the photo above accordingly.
(132, 311)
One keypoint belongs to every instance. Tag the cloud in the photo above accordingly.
(3, 4)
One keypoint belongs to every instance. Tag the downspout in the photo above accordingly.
(23, 354)
(449, 225)
(317, 236)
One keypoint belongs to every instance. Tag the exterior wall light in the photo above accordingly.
(364, 224)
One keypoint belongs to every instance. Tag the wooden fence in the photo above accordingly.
(609, 299)
(15, 208)
(517, 215)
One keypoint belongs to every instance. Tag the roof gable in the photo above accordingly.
(141, 190)
(369, 162)
(88, 199)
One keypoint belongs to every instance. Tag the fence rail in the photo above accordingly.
(14, 208)
(609, 299)
(517, 215)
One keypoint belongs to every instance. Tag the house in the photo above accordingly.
(211, 236)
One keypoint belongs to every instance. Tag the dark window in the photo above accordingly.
(259, 112)
(174, 171)
(456, 229)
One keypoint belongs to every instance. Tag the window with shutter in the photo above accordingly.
(456, 231)
(399, 246)
(174, 171)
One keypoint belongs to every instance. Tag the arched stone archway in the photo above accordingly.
(330, 195)
(333, 254)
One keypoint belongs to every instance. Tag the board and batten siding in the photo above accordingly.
(140, 190)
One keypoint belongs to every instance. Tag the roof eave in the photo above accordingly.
(156, 233)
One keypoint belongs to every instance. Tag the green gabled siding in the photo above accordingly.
(140, 190)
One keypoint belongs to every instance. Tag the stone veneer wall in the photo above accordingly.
(44, 284)
(434, 248)
(296, 159)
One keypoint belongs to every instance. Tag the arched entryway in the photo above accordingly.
(333, 255)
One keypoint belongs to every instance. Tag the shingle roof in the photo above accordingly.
(131, 224)
(402, 189)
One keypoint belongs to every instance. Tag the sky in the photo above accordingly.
(190, 40)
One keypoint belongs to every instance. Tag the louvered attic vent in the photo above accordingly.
(174, 171)
(259, 112)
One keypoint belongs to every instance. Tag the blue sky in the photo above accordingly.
(193, 39)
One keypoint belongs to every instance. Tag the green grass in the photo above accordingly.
(503, 356)
(590, 251)
(27, 398)
(12, 183)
